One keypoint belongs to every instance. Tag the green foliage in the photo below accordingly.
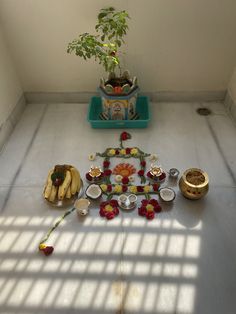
(111, 28)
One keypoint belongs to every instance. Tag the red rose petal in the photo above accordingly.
(155, 187)
(113, 203)
(143, 163)
(140, 188)
(106, 164)
(48, 250)
(150, 215)
(125, 180)
(141, 172)
(88, 177)
(107, 172)
(124, 188)
(109, 188)
(110, 215)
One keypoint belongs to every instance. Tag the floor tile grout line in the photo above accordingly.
(24, 158)
(214, 136)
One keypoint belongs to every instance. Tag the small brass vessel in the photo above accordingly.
(95, 172)
(194, 183)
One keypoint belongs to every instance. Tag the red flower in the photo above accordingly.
(149, 208)
(107, 172)
(141, 172)
(125, 180)
(157, 208)
(47, 250)
(113, 203)
(116, 211)
(117, 152)
(140, 188)
(109, 209)
(142, 211)
(106, 164)
(125, 136)
(124, 188)
(150, 215)
(162, 176)
(149, 174)
(110, 215)
(155, 187)
(109, 188)
(88, 177)
(102, 212)
(145, 202)
(128, 150)
(153, 202)
(143, 163)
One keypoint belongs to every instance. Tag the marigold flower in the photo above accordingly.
(103, 187)
(147, 188)
(133, 189)
(123, 151)
(134, 151)
(111, 152)
(117, 188)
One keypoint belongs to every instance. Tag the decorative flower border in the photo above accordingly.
(109, 208)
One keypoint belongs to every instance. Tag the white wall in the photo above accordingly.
(172, 45)
(10, 89)
(232, 86)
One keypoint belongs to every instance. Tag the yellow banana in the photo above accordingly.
(64, 186)
(74, 180)
(48, 185)
(79, 181)
(68, 192)
(53, 193)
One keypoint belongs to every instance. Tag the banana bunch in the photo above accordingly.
(62, 182)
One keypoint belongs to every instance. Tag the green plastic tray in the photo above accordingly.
(95, 108)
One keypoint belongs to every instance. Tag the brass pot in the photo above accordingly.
(194, 183)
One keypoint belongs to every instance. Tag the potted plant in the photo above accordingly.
(119, 90)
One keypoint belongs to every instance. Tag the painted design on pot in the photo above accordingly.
(119, 96)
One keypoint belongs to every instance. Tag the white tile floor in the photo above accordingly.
(184, 261)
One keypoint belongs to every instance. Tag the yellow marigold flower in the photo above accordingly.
(42, 246)
(123, 151)
(103, 187)
(134, 151)
(147, 188)
(117, 188)
(133, 189)
(111, 152)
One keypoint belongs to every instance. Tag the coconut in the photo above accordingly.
(167, 194)
(93, 191)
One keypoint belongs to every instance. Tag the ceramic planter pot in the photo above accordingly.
(119, 101)
(194, 183)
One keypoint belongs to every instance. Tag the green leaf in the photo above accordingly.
(101, 15)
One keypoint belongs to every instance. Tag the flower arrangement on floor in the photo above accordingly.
(124, 178)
